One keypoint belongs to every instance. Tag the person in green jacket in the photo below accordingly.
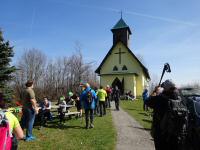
(101, 94)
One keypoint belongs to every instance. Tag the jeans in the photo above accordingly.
(96, 111)
(89, 114)
(28, 119)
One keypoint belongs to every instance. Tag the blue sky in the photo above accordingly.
(163, 31)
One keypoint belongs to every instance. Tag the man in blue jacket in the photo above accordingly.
(88, 99)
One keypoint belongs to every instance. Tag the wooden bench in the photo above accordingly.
(72, 113)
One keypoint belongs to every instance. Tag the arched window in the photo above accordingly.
(115, 68)
(124, 67)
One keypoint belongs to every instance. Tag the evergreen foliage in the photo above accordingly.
(6, 53)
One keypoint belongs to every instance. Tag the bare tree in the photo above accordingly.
(32, 64)
(54, 78)
(30, 67)
(153, 83)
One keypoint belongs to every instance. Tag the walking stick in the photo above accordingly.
(167, 69)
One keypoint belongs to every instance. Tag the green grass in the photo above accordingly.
(135, 109)
(73, 136)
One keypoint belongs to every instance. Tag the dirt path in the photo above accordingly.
(130, 135)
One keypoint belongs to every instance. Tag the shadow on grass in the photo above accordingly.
(141, 128)
(63, 126)
(132, 109)
(143, 113)
(146, 120)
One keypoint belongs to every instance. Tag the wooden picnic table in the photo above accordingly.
(57, 106)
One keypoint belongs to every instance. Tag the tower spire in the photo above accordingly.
(121, 13)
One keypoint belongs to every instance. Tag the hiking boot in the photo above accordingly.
(31, 138)
(91, 125)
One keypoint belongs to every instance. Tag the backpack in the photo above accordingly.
(89, 97)
(174, 123)
(193, 104)
(116, 94)
(5, 135)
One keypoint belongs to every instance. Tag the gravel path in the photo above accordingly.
(130, 135)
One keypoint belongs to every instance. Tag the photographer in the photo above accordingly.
(159, 102)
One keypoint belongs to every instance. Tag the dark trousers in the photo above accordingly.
(108, 102)
(43, 116)
(89, 116)
(102, 105)
(145, 107)
(61, 115)
(27, 120)
(117, 104)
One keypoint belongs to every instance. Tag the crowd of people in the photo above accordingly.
(95, 102)
(92, 101)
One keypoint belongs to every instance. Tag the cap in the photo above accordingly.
(62, 98)
(70, 94)
(168, 84)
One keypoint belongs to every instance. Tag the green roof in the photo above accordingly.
(120, 24)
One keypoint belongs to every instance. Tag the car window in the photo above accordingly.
(190, 92)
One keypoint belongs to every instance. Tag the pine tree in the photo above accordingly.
(6, 53)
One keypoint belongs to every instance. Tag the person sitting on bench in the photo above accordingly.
(45, 111)
(62, 109)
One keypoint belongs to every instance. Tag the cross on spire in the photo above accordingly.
(121, 13)
(120, 53)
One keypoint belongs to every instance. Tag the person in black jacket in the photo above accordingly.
(159, 102)
(116, 97)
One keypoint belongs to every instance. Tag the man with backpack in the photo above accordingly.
(169, 118)
(88, 98)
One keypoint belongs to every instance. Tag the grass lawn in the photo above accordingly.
(135, 109)
(73, 136)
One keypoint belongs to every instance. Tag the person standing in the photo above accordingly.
(88, 99)
(145, 97)
(116, 97)
(108, 91)
(101, 94)
(76, 98)
(29, 109)
(160, 104)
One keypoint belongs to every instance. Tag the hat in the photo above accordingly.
(168, 84)
(70, 94)
(62, 98)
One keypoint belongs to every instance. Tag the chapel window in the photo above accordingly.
(115, 68)
(124, 67)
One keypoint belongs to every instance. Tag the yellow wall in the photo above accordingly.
(127, 59)
(129, 77)
(128, 81)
